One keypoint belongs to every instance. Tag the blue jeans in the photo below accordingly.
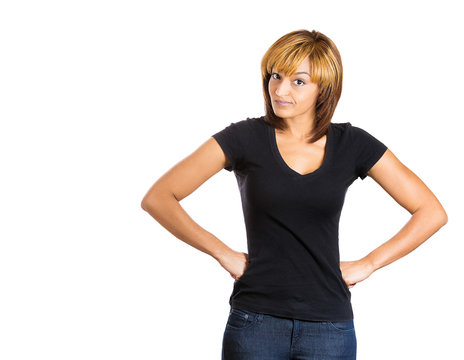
(252, 336)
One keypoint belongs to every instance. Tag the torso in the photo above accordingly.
(292, 195)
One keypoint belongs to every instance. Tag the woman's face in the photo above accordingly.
(297, 93)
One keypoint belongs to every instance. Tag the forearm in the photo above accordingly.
(168, 212)
(422, 225)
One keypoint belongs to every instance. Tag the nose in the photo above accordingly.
(282, 88)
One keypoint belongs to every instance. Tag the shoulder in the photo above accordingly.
(238, 140)
(250, 123)
(357, 140)
(244, 128)
(341, 127)
(342, 131)
(363, 137)
(241, 132)
(353, 132)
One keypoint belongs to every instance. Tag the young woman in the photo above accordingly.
(291, 297)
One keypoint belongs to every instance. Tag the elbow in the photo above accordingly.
(150, 200)
(444, 218)
(154, 199)
(440, 217)
(439, 213)
(146, 203)
(434, 214)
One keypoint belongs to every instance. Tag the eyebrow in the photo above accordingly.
(302, 72)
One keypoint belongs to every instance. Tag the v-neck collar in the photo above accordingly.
(284, 166)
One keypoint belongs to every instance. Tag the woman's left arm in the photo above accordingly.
(408, 190)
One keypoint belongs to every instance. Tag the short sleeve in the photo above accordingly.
(367, 149)
(230, 139)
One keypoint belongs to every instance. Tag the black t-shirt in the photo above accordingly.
(292, 220)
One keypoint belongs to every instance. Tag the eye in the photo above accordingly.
(277, 76)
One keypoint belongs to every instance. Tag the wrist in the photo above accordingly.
(221, 253)
(368, 263)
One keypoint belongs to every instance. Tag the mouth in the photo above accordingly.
(282, 103)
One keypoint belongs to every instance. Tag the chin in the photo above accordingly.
(280, 111)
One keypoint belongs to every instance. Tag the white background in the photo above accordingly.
(99, 98)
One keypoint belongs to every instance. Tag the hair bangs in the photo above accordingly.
(287, 59)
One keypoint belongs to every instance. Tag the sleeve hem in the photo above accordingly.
(226, 151)
(371, 163)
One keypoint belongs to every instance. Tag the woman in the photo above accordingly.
(291, 297)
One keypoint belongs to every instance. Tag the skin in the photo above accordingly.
(162, 201)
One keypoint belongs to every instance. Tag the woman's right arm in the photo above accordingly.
(162, 203)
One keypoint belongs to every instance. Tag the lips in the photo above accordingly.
(282, 102)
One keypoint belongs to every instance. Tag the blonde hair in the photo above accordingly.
(326, 70)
